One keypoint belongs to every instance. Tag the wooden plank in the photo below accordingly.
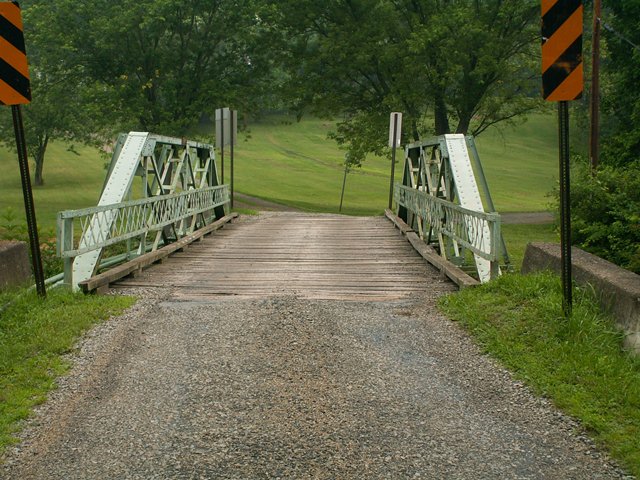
(142, 261)
(314, 256)
(460, 277)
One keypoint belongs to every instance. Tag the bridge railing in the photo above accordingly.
(477, 231)
(107, 225)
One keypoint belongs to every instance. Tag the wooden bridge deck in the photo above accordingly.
(308, 255)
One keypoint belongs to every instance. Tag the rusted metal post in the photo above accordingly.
(30, 210)
(594, 131)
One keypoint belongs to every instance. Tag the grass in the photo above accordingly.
(34, 334)
(578, 362)
(521, 163)
(518, 236)
(295, 164)
(73, 178)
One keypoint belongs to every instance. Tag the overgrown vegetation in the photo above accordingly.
(578, 362)
(34, 334)
(13, 227)
(605, 210)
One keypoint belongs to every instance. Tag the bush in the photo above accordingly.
(12, 229)
(605, 213)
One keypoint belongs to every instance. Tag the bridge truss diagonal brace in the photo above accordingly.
(468, 194)
(440, 199)
(116, 188)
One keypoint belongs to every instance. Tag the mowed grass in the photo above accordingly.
(295, 164)
(518, 236)
(34, 336)
(72, 179)
(521, 163)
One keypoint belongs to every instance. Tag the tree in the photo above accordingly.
(449, 65)
(167, 61)
(621, 69)
(62, 104)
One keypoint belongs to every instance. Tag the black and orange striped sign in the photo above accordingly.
(562, 69)
(15, 88)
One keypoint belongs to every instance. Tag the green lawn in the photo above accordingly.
(295, 164)
(518, 236)
(577, 362)
(72, 179)
(34, 336)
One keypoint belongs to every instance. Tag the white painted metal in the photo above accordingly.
(115, 190)
(395, 120)
(468, 193)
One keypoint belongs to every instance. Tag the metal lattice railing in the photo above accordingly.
(477, 231)
(110, 224)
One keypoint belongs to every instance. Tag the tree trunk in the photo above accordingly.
(463, 124)
(441, 117)
(42, 148)
(414, 130)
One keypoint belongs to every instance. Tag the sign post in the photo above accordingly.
(226, 134)
(562, 82)
(395, 133)
(15, 90)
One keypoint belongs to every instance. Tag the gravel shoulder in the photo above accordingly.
(284, 387)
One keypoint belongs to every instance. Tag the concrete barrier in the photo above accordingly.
(15, 269)
(618, 289)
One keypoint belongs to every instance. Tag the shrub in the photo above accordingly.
(605, 213)
(12, 229)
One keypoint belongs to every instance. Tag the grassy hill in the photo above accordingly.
(295, 163)
(73, 179)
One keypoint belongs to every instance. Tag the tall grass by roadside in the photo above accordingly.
(577, 362)
(34, 334)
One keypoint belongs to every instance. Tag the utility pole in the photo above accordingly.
(594, 131)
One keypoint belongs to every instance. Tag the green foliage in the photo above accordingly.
(11, 228)
(466, 62)
(66, 103)
(34, 334)
(167, 63)
(605, 212)
(576, 362)
(621, 98)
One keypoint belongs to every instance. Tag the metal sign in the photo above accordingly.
(15, 87)
(562, 67)
(225, 127)
(395, 129)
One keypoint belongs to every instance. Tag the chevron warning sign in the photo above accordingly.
(562, 69)
(15, 88)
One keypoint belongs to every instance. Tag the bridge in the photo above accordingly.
(288, 344)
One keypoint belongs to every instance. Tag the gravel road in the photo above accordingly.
(283, 387)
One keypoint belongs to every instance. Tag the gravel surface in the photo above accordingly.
(283, 387)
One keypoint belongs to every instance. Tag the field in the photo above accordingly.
(73, 178)
(295, 163)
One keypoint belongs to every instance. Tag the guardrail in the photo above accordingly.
(477, 231)
(110, 224)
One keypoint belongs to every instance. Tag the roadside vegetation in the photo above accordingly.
(35, 336)
(350, 61)
(577, 362)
